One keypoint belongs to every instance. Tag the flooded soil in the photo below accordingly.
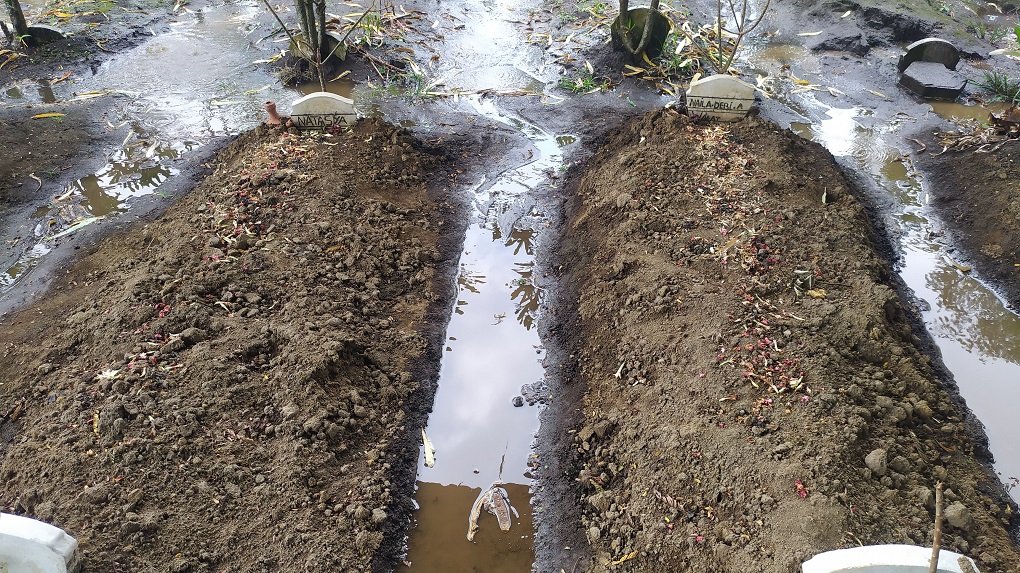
(979, 198)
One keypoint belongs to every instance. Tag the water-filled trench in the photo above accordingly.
(481, 425)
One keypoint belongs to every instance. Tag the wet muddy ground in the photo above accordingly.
(256, 354)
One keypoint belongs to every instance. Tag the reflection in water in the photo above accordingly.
(474, 422)
(521, 238)
(342, 87)
(980, 343)
(479, 435)
(444, 511)
(25, 262)
(195, 81)
(973, 317)
(126, 176)
(526, 308)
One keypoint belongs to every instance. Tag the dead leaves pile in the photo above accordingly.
(982, 137)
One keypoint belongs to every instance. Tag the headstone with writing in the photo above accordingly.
(930, 50)
(722, 98)
(323, 110)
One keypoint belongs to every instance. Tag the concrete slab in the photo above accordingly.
(722, 98)
(932, 80)
(930, 50)
(30, 546)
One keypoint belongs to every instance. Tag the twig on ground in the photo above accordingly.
(937, 540)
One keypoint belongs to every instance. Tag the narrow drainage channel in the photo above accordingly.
(979, 337)
(170, 96)
(493, 350)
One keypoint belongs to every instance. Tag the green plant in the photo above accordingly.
(593, 7)
(583, 83)
(977, 27)
(997, 33)
(678, 56)
(415, 83)
(1003, 87)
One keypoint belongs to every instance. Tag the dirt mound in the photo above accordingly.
(755, 392)
(233, 385)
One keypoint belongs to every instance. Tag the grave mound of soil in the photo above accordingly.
(755, 390)
(238, 383)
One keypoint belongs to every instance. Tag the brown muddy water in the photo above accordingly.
(493, 356)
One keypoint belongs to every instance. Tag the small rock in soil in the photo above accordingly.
(877, 461)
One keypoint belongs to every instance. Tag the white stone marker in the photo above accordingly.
(323, 110)
(722, 98)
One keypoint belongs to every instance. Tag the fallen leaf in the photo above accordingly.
(60, 79)
(809, 33)
(879, 94)
(816, 293)
(625, 558)
(958, 266)
(45, 115)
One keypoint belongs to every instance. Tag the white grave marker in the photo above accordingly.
(323, 110)
(722, 98)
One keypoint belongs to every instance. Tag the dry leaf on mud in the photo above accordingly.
(957, 266)
(625, 558)
(45, 115)
(816, 293)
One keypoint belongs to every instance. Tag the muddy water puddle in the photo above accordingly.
(978, 336)
(485, 413)
(167, 97)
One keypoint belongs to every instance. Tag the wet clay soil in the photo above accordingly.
(978, 195)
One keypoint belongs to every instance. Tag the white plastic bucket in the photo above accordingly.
(30, 546)
(887, 559)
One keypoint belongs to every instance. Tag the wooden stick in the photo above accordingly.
(933, 565)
